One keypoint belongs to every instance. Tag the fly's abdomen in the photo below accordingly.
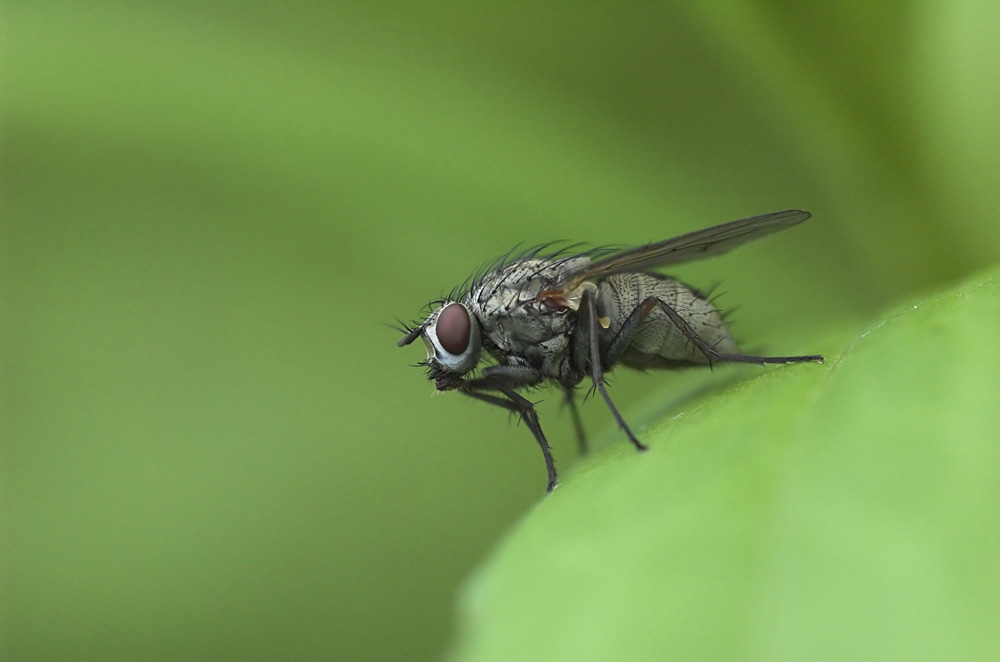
(657, 341)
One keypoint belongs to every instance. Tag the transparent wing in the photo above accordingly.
(692, 246)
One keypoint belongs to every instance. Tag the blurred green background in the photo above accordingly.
(211, 446)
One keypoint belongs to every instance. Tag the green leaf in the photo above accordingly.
(848, 510)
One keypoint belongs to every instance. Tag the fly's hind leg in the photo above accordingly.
(651, 303)
(597, 370)
(627, 332)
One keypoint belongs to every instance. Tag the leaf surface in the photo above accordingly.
(850, 510)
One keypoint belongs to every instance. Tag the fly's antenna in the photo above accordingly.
(410, 336)
(410, 331)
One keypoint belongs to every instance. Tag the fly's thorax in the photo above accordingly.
(537, 334)
(658, 342)
(516, 284)
(516, 323)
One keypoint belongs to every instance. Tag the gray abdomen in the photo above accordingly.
(658, 343)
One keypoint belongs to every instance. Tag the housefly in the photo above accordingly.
(559, 317)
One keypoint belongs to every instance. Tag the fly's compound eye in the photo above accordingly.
(454, 328)
(452, 338)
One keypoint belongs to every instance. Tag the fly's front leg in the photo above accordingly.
(649, 304)
(505, 379)
(597, 370)
(513, 376)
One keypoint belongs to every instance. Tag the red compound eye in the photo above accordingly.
(453, 328)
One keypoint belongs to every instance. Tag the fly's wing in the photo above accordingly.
(692, 246)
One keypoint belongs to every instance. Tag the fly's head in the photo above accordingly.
(452, 338)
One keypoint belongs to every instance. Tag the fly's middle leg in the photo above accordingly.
(597, 370)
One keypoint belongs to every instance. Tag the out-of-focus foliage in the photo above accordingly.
(210, 446)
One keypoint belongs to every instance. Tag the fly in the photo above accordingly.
(558, 318)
